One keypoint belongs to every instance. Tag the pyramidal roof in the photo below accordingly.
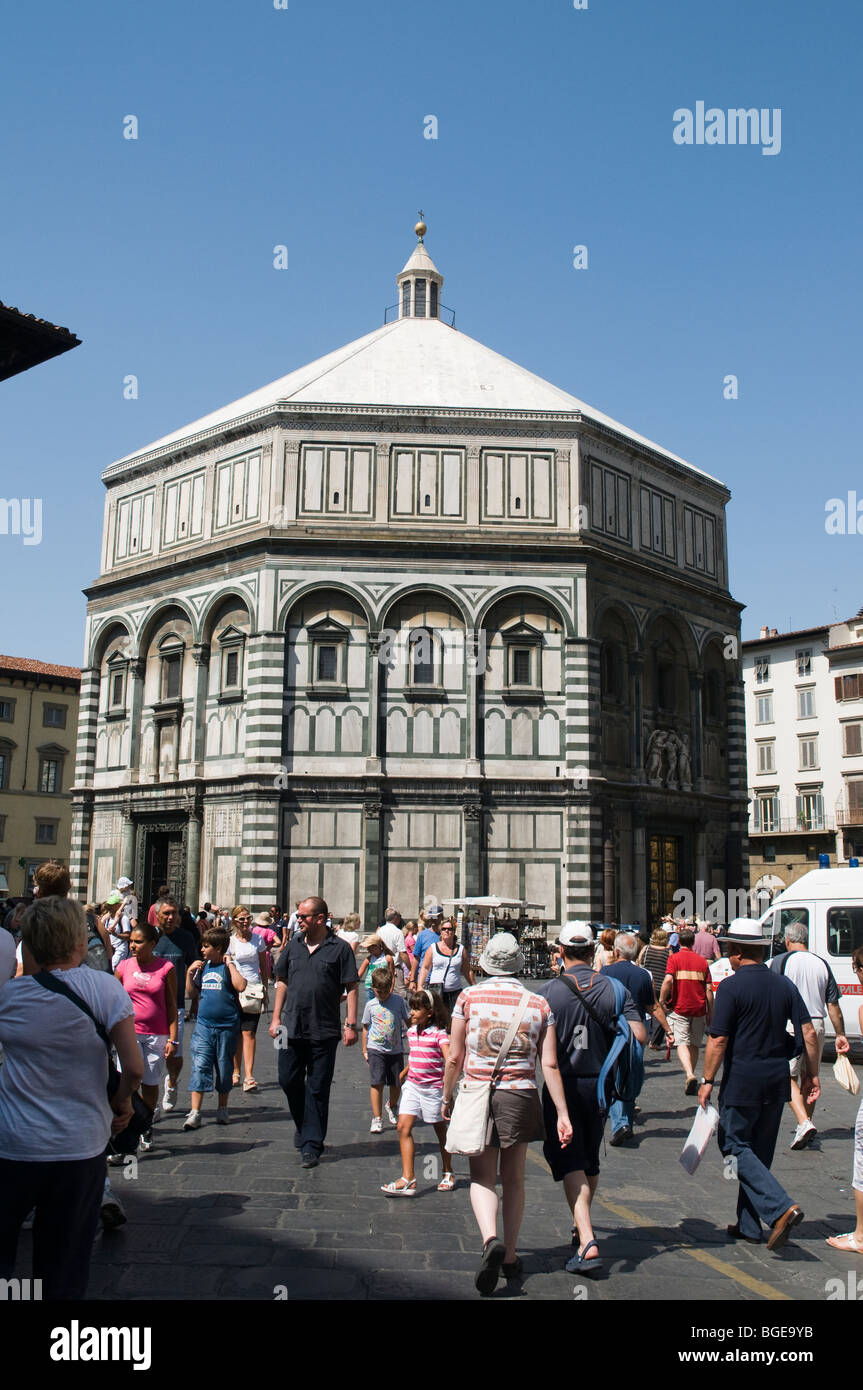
(410, 362)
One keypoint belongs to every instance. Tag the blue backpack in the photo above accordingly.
(622, 1074)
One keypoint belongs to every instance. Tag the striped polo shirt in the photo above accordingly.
(426, 1064)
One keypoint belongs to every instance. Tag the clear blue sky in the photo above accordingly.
(305, 127)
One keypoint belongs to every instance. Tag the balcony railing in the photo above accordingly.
(793, 825)
(849, 816)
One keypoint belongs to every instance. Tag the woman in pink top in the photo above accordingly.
(151, 983)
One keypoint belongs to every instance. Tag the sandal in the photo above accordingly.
(490, 1266)
(447, 1183)
(402, 1187)
(250, 1084)
(579, 1265)
(235, 1079)
(854, 1246)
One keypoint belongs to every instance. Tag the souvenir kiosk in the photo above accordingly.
(479, 918)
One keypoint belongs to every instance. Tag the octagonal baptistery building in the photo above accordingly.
(407, 624)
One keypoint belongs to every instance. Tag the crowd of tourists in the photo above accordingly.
(98, 1002)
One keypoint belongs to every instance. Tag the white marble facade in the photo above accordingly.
(470, 637)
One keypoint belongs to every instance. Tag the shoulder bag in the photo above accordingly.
(126, 1142)
(470, 1127)
(252, 998)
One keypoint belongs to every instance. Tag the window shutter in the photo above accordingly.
(837, 687)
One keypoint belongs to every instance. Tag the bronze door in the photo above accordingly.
(664, 875)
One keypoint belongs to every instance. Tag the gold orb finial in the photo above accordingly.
(421, 227)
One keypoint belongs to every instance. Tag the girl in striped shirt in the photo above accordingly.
(422, 1081)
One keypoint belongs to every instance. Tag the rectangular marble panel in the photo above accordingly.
(348, 828)
(494, 485)
(448, 830)
(403, 501)
(322, 828)
(339, 887)
(541, 487)
(422, 830)
(549, 829)
(403, 885)
(313, 464)
(503, 878)
(451, 505)
(253, 487)
(539, 887)
(361, 480)
(338, 480)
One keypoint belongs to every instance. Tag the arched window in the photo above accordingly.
(171, 650)
(713, 696)
(421, 665)
(665, 683)
(611, 672)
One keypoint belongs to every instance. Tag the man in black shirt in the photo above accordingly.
(311, 975)
(178, 946)
(749, 1035)
(582, 1046)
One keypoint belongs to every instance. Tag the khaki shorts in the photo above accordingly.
(799, 1066)
(517, 1117)
(688, 1032)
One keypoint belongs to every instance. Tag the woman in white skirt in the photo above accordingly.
(250, 957)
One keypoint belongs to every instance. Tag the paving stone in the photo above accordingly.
(231, 1214)
(190, 1281)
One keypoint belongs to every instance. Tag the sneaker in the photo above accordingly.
(111, 1213)
(193, 1120)
(391, 1114)
(803, 1135)
(145, 1143)
(691, 1087)
(157, 1115)
(309, 1159)
(376, 1125)
(222, 1116)
(116, 1160)
(169, 1099)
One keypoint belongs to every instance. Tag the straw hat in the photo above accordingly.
(745, 932)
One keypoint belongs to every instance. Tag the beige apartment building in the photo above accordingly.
(38, 730)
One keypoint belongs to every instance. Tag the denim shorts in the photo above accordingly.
(212, 1050)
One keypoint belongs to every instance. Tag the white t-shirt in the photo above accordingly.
(393, 938)
(245, 954)
(8, 961)
(53, 1102)
(811, 976)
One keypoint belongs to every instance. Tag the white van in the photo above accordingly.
(830, 903)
